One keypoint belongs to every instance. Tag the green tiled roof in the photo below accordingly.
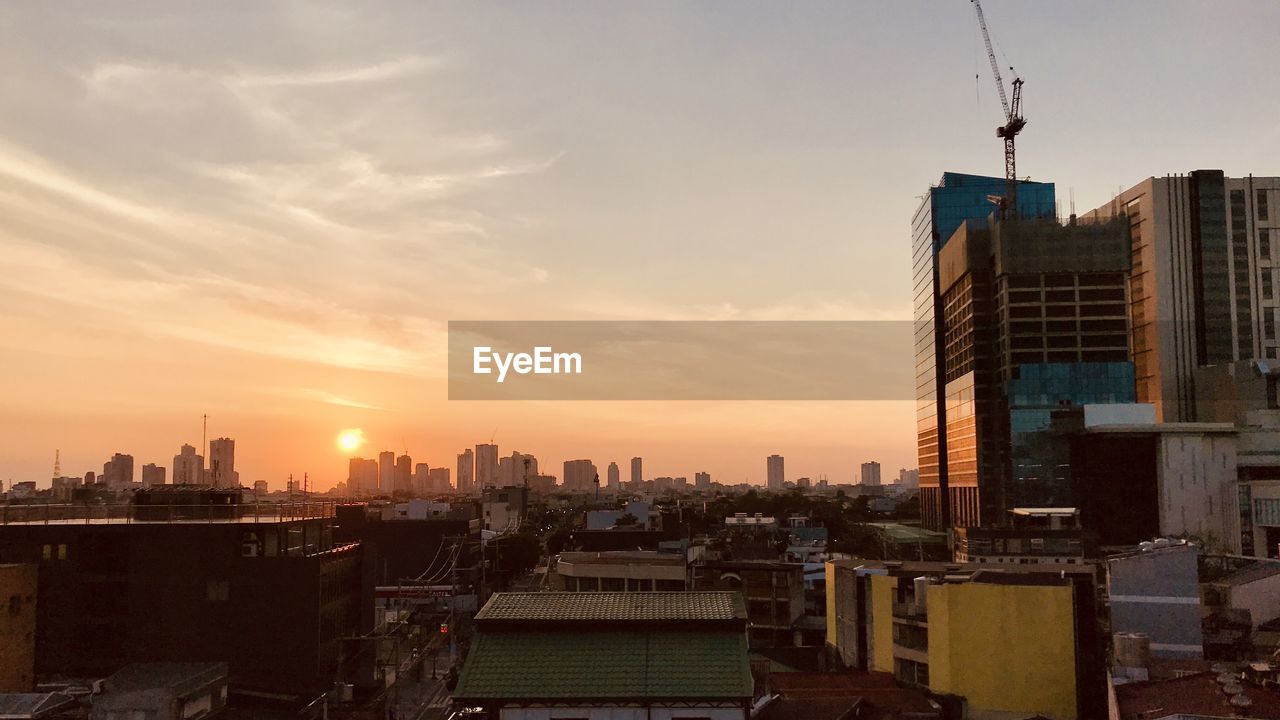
(605, 664)
(613, 606)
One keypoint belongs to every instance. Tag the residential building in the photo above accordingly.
(1034, 535)
(18, 628)
(62, 488)
(504, 509)
(774, 593)
(870, 473)
(620, 571)
(1016, 639)
(421, 480)
(775, 473)
(188, 467)
(580, 476)
(653, 655)
(486, 467)
(956, 198)
(188, 565)
(1155, 592)
(118, 471)
(466, 472)
(403, 474)
(152, 474)
(362, 477)
(702, 481)
(841, 696)
(222, 463)
(615, 477)
(1203, 286)
(637, 474)
(438, 480)
(909, 479)
(386, 472)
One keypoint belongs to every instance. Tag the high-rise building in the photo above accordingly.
(438, 479)
(152, 474)
(908, 479)
(956, 198)
(486, 466)
(512, 471)
(386, 472)
(615, 477)
(362, 477)
(422, 484)
(776, 475)
(118, 471)
(222, 463)
(871, 473)
(188, 467)
(580, 476)
(702, 481)
(637, 472)
(466, 471)
(1034, 321)
(404, 474)
(1206, 250)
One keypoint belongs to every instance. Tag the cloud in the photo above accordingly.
(379, 72)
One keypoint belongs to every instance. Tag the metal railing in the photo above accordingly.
(101, 513)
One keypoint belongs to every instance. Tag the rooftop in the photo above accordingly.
(30, 706)
(623, 557)
(1198, 694)
(179, 677)
(657, 607)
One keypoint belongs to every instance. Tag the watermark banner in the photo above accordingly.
(681, 360)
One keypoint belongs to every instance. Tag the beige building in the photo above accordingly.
(1202, 283)
(620, 571)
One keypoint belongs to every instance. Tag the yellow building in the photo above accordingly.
(1021, 639)
(17, 628)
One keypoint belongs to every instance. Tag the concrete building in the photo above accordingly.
(18, 591)
(870, 474)
(421, 480)
(504, 509)
(222, 463)
(702, 481)
(163, 691)
(1018, 639)
(957, 197)
(403, 474)
(118, 471)
(775, 473)
(909, 479)
(659, 656)
(637, 472)
(221, 565)
(620, 571)
(386, 472)
(580, 476)
(188, 467)
(1155, 592)
(152, 474)
(774, 593)
(362, 477)
(615, 477)
(1035, 535)
(438, 480)
(466, 472)
(1203, 283)
(486, 466)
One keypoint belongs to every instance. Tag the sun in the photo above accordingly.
(350, 440)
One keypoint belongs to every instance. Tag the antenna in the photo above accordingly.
(204, 435)
(494, 435)
(57, 463)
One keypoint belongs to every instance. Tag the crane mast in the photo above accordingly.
(1013, 120)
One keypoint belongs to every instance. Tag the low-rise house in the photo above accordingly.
(660, 656)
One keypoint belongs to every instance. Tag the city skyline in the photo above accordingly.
(279, 240)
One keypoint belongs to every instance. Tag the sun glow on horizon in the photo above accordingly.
(350, 440)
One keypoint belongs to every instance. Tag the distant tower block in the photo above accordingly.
(57, 463)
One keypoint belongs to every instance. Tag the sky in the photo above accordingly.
(268, 212)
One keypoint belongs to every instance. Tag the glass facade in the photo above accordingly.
(1040, 474)
(958, 197)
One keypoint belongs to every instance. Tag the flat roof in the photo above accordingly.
(605, 606)
(1045, 511)
(1161, 428)
(622, 557)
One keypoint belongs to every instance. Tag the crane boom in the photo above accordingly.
(1013, 120)
(991, 55)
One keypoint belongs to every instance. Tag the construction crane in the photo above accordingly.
(1013, 120)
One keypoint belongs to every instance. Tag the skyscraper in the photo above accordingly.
(188, 467)
(466, 471)
(637, 472)
(579, 476)
(957, 197)
(701, 481)
(386, 472)
(404, 474)
(222, 463)
(422, 484)
(486, 466)
(152, 475)
(871, 473)
(438, 479)
(118, 470)
(776, 475)
(1206, 249)
(615, 477)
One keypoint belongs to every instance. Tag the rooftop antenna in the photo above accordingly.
(57, 463)
(204, 435)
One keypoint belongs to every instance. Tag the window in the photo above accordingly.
(1262, 204)
(46, 552)
(218, 590)
(15, 604)
(62, 551)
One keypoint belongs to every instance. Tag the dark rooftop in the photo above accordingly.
(30, 706)
(1198, 694)
(178, 677)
